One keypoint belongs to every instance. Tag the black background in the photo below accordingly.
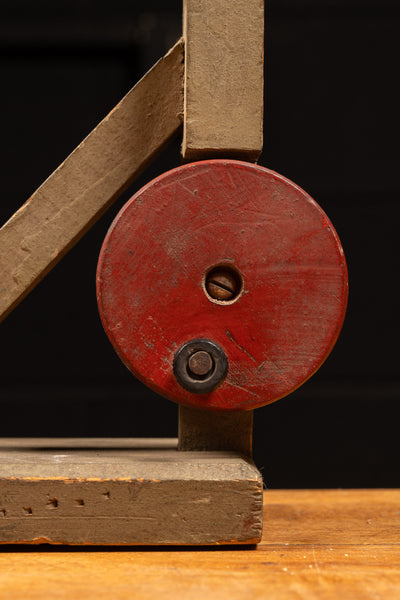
(331, 104)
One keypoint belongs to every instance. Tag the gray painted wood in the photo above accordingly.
(112, 491)
(223, 105)
(90, 179)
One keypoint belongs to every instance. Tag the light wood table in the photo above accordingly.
(317, 544)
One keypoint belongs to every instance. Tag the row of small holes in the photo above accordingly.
(52, 504)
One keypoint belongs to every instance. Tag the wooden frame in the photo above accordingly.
(141, 491)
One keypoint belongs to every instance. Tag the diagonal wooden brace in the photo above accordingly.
(76, 194)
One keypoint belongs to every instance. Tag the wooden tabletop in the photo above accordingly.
(317, 544)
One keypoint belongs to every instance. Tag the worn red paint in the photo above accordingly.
(150, 281)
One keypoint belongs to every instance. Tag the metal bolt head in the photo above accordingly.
(200, 363)
(222, 284)
(200, 366)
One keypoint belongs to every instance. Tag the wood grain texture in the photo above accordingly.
(66, 205)
(352, 552)
(101, 491)
(305, 517)
(223, 79)
(206, 430)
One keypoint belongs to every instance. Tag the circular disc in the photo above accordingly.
(282, 303)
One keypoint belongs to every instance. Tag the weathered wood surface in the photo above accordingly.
(108, 491)
(209, 430)
(223, 79)
(322, 545)
(66, 205)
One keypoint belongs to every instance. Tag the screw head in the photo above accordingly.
(223, 283)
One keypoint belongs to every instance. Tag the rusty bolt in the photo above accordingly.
(222, 284)
(200, 363)
(200, 366)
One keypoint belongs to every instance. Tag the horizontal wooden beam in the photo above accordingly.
(126, 491)
(67, 204)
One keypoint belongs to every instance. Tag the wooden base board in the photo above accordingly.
(126, 491)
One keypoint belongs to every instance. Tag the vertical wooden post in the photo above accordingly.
(209, 430)
(223, 93)
(223, 117)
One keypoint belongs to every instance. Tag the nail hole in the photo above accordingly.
(27, 510)
(3, 512)
(80, 502)
(223, 284)
(52, 503)
(106, 495)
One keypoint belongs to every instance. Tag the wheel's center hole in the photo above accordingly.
(223, 283)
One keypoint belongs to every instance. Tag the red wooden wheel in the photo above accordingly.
(229, 253)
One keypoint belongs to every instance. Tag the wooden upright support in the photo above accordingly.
(214, 431)
(224, 76)
(223, 117)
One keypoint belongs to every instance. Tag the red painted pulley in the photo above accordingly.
(222, 285)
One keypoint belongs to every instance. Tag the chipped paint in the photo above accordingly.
(181, 225)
